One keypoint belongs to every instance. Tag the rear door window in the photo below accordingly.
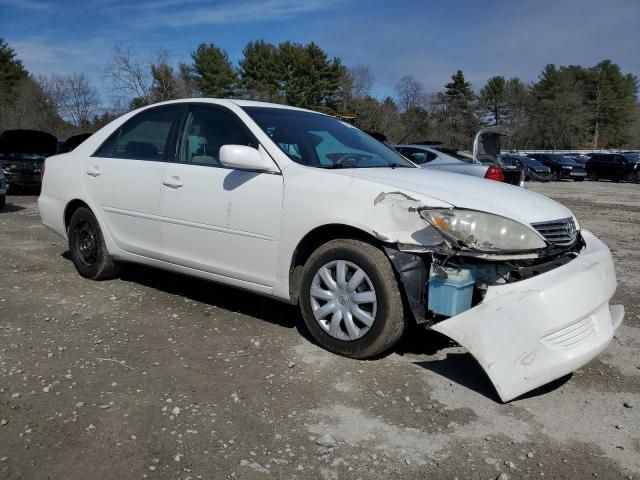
(417, 155)
(145, 137)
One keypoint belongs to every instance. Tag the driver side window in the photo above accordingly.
(206, 130)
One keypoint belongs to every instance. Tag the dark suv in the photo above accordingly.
(22, 155)
(615, 166)
(561, 166)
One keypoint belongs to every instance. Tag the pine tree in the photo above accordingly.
(611, 97)
(11, 70)
(259, 72)
(493, 98)
(460, 122)
(212, 72)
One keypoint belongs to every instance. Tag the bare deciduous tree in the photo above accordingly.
(129, 75)
(73, 97)
(410, 93)
(362, 80)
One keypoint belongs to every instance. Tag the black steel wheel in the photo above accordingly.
(88, 250)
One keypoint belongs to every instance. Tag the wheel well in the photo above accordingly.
(310, 243)
(71, 208)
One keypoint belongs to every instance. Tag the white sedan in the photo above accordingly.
(304, 208)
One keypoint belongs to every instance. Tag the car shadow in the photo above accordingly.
(10, 208)
(15, 190)
(210, 293)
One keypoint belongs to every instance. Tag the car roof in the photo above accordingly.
(231, 101)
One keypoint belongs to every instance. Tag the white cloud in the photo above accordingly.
(237, 12)
(27, 4)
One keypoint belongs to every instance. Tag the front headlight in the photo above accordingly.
(484, 231)
(567, 167)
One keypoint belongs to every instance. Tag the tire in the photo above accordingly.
(632, 177)
(387, 312)
(3, 201)
(557, 176)
(88, 250)
(593, 176)
(578, 179)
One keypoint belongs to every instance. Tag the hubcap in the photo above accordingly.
(87, 243)
(343, 300)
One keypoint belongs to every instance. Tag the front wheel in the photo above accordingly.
(88, 250)
(350, 299)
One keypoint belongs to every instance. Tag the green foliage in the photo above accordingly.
(11, 70)
(212, 72)
(260, 73)
(308, 78)
(458, 122)
(610, 96)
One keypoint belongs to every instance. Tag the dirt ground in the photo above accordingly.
(155, 375)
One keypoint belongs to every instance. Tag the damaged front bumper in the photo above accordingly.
(530, 332)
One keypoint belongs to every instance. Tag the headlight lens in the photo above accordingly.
(484, 231)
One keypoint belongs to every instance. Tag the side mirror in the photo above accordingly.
(241, 157)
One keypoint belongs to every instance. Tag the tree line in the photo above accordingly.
(566, 107)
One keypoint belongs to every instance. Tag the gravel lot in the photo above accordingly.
(155, 375)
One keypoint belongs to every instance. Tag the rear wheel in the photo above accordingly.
(88, 250)
(633, 177)
(350, 299)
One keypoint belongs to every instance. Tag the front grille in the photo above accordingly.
(561, 232)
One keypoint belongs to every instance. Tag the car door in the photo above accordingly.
(215, 219)
(619, 165)
(123, 179)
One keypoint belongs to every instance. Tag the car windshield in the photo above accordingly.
(632, 157)
(321, 141)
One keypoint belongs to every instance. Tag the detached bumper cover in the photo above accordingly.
(529, 333)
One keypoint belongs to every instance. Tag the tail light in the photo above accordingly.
(494, 173)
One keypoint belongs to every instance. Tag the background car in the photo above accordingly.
(533, 169)
(561, 166)
(615, 166)
(22, 155)
(431, 158)
(72, 142)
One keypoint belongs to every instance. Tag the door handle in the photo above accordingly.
(173, 182)
(94, 172)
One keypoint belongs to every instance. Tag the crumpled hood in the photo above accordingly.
(464, 191)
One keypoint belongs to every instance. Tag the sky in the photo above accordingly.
(425, 38)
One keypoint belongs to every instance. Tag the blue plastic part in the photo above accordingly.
(451, 295)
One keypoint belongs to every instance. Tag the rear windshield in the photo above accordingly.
(321, 141)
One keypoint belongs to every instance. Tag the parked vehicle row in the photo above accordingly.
(307, 209)
(483, 162)
(532, 168)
